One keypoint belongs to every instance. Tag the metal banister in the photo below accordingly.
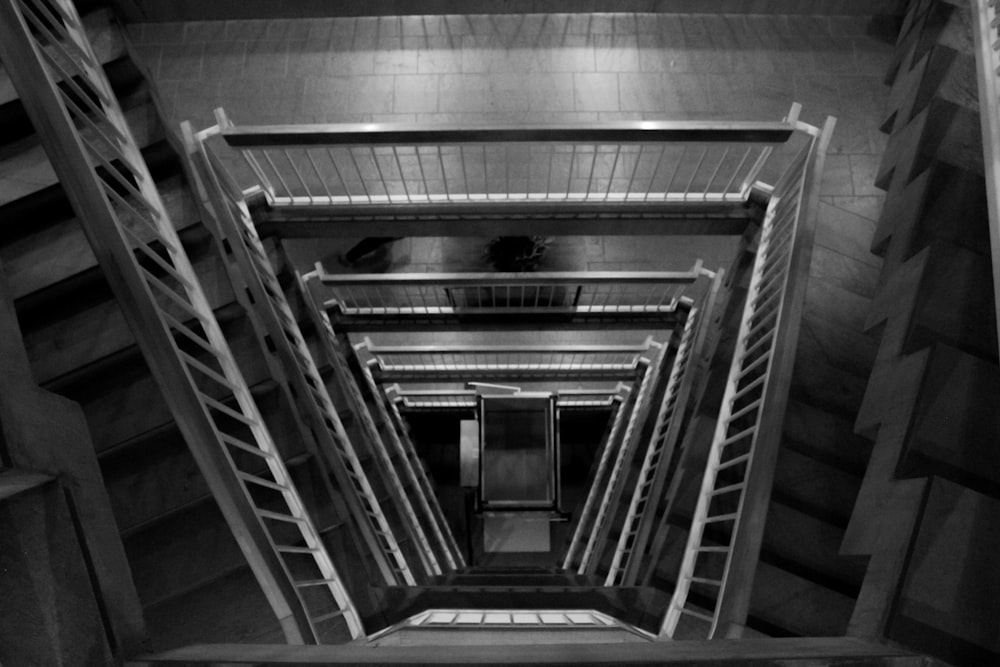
(661, 456)
(739, 472)
(631, 164)
(271, 315)
(583, 293)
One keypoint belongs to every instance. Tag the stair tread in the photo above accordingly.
(60, 251)
(104, 37)
(28, 170)
(798, 605)
(815, 487)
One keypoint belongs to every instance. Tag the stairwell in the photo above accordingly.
(79, 345)
(928, 507)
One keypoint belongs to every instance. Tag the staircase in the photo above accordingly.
(78, 342)
(928, 507)
(830, 509)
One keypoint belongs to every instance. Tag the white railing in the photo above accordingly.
(609, 451)
(642, 496)
(727, 528)
(465, 399)
(43, 42)
(513, 619)
(618, 474)
(643, 162)
(555, 358)
(986, 32)
(569, 292)
(224, 208)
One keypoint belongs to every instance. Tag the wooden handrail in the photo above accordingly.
(749, 428)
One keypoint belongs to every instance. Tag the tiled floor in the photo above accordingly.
(538, 68)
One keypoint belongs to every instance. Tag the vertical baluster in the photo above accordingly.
(465, 173)
(381, 177)
(270, 162)
(736, 171)
(694, 174)
(635, 168)
(444, 175)
(611, 176)
(656, 168)
(548, 174)
(506, 171)
(361, 177)
(673, 174)
(319, 176)
(402, 176)
(590, 178)
(569, 176)
(298, 174)
(708, 188)
(486, 174)
(423, 177)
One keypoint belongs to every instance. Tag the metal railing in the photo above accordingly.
(555, 358)
(386, 165)
(570, 292)
(513, 619)
(224, 208)
(727, 528)
(670, 413)
(116, 200)
(986, 33)
(465, 399)
(609, 451)
(618, 474)
(410, 469)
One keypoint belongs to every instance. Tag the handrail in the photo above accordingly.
(564, 292)
(560, 358)
(625, 163)
(396, 435)
(618, 475)
(986, 33)
(727, 528)
(120, 209)
(415, 399)
(512, 619)
(608, 452)
(224, 208)
(659, 450)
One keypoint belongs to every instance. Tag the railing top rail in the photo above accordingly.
(513, 349)
(492, 277)
(375, 134)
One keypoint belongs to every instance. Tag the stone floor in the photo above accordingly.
(541, 68)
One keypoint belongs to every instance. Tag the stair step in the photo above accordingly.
(59, 251)
(799, 606)
(104, 37)
(813, 546)
(194, 616)
(825, 436)
(818, 489)
(28, 171)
